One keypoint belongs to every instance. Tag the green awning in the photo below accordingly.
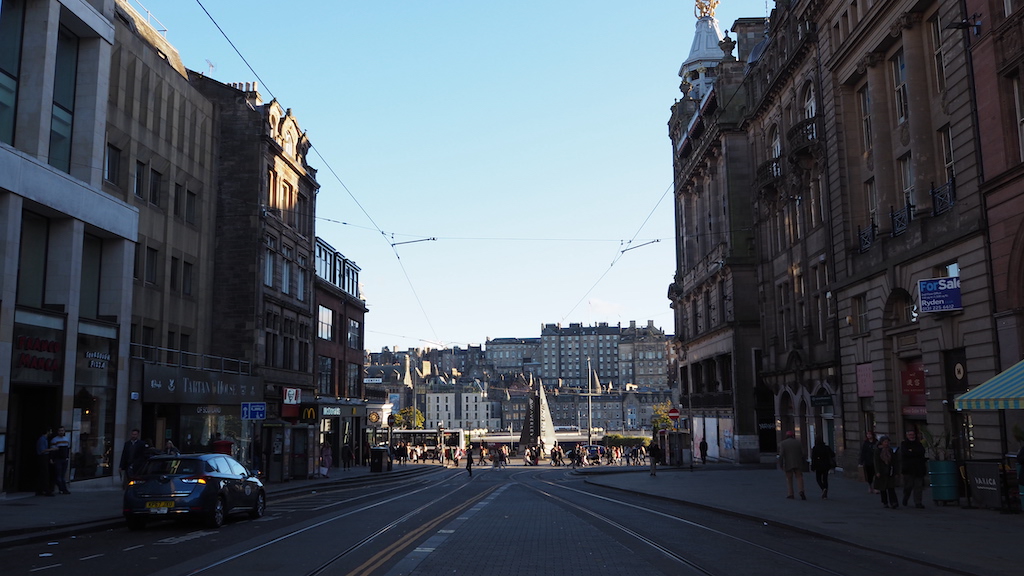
(1004, 391)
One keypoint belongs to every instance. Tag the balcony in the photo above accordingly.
(943, 197)
(901, 219)
(768, 173)
(803, 139)
(866, 237)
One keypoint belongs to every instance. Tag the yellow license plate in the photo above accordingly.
(161, 504)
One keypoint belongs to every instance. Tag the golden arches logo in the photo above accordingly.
(309, 413)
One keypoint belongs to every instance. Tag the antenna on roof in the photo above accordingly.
(212, 66)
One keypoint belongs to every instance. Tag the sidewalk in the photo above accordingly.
(971, 541)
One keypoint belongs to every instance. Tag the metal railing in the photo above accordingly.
(183, 359)
(943, 197)
(901, 218)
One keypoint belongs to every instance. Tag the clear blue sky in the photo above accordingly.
(529, 138)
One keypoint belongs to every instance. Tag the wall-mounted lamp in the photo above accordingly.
(974, 21)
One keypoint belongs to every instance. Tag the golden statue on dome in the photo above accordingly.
(705, 8)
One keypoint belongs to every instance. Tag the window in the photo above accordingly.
(190, 207)
(352, 381)
(946, 138)
(859, 314)
(899, 85)
(186, 278)
(864, 107)
(112, 165)
(325, 375)
(906, 175)
(175, 273)
(140, 179)
(810, 109)
(268, 262)
(871, 202)
(300, 279)
(354, 338)
(11, 16)
(775, 140)
(63, 109)
(286, 269)
(325, 324)
(152, 265)
(156, 182)
(940, 65)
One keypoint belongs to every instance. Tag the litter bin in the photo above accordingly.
(945, 481)
(378, 456)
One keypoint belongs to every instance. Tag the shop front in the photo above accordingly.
(340, 422)
(200, 410)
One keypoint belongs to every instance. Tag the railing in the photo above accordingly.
(182, 359)
(943, 197)
(901, 218)
(866, 237)
(803, 135)
(768, 172)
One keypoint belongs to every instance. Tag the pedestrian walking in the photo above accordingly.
(170, 448)
(822, 462)
(913, 467)
(885, 472)
(655, 457)
(866, 462)
(703, 450)
(347, 456)
(469, 464)
(133, 456)
(792, 459)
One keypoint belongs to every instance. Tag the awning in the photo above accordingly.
(1004, 391)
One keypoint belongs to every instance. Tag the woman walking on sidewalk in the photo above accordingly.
(885, 472)
(867, 460)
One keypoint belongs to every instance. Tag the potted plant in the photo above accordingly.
(941, 470)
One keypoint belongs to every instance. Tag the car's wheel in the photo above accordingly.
(135, 522)
(260, 507)
(216, 517)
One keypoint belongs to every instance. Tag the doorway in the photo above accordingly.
(34, 409)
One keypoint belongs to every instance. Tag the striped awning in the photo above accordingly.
(1004, 391)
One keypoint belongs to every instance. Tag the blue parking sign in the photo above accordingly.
(254, 410)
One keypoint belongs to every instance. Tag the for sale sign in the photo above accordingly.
(939, 294)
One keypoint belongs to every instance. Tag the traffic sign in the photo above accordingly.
(254, 410)
(674, 414)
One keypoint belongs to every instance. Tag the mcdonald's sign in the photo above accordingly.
(309, 414)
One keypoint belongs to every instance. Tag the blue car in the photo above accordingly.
(206, 487)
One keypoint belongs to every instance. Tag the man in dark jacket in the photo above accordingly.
(133, 456)
(913, 468)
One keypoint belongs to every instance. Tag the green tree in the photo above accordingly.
(660, 419)
(409, 418)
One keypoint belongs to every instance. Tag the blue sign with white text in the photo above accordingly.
(940, 294)
(254, 410)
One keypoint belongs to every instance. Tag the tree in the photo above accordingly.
(660, 419)
(409, 418)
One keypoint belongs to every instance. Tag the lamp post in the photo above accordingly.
(590, 405)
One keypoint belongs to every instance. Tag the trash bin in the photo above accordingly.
(378, 456)
(945, 481)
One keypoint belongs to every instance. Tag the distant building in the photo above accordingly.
(510, 356)
(644, 356)
(578, 355)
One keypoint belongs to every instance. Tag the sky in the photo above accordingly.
(490, 166)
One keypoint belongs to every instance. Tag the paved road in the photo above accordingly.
(533, 520)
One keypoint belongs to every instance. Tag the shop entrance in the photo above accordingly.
(33, 410)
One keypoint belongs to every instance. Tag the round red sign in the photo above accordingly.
(674, 414)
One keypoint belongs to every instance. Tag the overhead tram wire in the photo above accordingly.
(330, 168)
(628, 247)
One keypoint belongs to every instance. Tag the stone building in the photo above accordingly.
(511, 356)
(644, 356)
(716, 323)
(66, 245)
(579, 354)
(787, 138)
(263, 265)
(905, 211)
